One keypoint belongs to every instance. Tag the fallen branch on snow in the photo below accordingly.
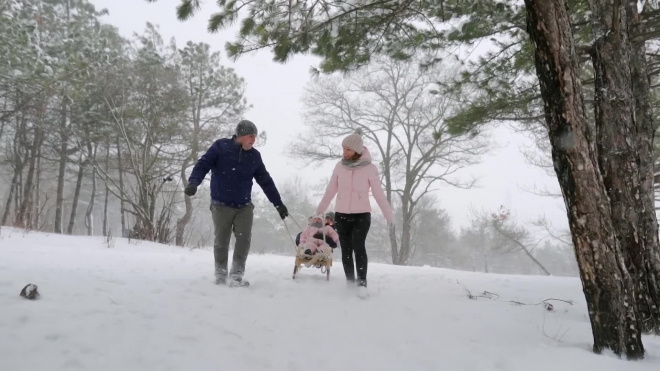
(490, 295)
(545, 303)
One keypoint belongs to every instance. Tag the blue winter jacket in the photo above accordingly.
(232, 170)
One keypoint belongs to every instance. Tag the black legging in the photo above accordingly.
(352, 230)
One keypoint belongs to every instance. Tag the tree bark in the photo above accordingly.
(14, 188)
(76, 197)
(185, 219)
(405, 245)
(607, 285)
(484, 250)
(107, 191)
(10, 198)
(89, 213)
(122, 212)
(387, 176)
(37, 191)
(64, 144)
(649, 278)
(24, 217)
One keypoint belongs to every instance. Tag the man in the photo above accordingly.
(233, 164)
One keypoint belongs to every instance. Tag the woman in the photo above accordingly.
(351, 180)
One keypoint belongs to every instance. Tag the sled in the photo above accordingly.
(322, 261)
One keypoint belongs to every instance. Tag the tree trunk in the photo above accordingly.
(533, 259)
(64, 144)
(10, 198)
(405, 246)
(14, 188)
(607, 285)
(24, 217)
(387, 176)
(37, 191)
(89, 214)
(76, 196)
(185, 219)
(394, 246)
(107, 191)
(3, 122)
(484, 250)
(649, 301)
(122, 212)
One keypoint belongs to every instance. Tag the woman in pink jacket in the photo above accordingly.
(351, 180)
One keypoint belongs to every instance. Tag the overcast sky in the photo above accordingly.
(275, 92)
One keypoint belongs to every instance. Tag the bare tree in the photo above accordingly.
(402, 113)
(146, 103)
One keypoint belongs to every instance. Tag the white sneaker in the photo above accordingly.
(238, 282)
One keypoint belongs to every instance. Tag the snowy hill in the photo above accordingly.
(144, 306)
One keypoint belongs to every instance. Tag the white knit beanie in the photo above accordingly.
(354, 141)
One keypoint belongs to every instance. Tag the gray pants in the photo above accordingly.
(225, 220)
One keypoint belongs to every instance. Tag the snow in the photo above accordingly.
(144, 306)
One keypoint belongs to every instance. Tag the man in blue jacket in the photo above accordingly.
(233, 164)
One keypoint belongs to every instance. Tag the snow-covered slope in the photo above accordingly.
(144, 306)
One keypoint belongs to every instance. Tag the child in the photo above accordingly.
(299, 233)
(311, 238)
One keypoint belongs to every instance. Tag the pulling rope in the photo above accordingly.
(301, 228)
(290, 236)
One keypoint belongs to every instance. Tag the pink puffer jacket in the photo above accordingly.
(352, 189)
(310, 232)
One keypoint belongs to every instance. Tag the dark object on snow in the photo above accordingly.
(30, 292)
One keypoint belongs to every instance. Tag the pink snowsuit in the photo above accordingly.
(307, 240)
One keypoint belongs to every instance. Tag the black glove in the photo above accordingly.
(283, 211)
(191, 189)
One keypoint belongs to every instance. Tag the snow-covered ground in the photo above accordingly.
(144, 306)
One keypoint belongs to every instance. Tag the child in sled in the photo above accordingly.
(311, 239)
